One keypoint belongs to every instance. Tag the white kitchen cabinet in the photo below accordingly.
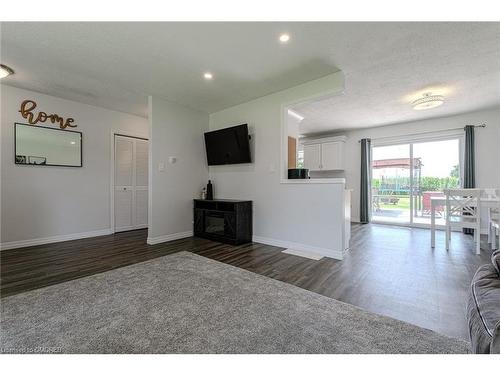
(312, 157)
(324, 154)
(332, 157)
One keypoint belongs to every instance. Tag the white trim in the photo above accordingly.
(417, 137)
(411, 193)
(407, 224)
(315, 141)
(330, 253)
(314, 181)
(303, 254)
(169, 237)
(127, 229)
(52, 239)
(150, 164)
(414, 225)
(283, 168)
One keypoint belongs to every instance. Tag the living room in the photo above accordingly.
(329, 189)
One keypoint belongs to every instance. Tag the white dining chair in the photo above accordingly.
(463, 211)
(493, 218)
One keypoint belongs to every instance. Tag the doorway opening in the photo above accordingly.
(405, 176)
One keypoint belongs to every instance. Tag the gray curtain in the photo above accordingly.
(364, 199)
(469, 169)
(469, 164)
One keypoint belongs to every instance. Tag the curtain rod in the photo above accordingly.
(432, 131)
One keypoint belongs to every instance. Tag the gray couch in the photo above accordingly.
(483, 308)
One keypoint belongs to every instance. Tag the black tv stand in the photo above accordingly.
(223, 220)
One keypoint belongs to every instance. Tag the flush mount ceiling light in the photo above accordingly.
(428, 101)
(295, 114)
(208, 76)
(284, 38)
(5, 71)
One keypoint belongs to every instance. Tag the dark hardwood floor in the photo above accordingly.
(389, 270)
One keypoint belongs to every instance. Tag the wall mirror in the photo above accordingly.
(38, 145)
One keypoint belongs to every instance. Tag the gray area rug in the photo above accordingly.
(185, 303)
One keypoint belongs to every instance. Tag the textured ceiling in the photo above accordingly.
(116, 65)
(387, 66)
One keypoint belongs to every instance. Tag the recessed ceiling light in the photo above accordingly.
(284, 38)
(428, 101)
(208, 76)
(5, 71)
(73, 142)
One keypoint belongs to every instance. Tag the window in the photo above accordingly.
(300, 157)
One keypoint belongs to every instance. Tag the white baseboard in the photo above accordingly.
(52, 239)
(128, 229)
(330, 253)
(169, 237)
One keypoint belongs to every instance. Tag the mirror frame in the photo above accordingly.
(48, 165)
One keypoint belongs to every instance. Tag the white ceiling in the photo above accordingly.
(116, 65)
(387, 66)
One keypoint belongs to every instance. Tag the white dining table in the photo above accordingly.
(441, 201)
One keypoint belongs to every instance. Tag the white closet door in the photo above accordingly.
(141, 183)
(131, 183)
(124, 161)
(123, 210)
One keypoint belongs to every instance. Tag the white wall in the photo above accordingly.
(176, 131)
(487, 146)
(306, 215)
(42, 202)
(292, 124)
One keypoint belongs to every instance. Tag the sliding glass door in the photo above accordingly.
(391, 169)
(406, 176)
(436, 167)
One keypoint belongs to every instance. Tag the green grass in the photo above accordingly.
(403, 204)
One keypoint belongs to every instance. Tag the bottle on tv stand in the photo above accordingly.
(210, 191)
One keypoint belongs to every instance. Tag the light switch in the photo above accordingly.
(161, 166)
(172, 159)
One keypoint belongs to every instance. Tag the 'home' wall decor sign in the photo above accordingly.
(27, 108)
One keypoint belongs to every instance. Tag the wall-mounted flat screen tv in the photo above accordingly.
(228, 146)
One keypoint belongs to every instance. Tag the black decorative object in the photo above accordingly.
(210, 191)
(228, 221)
(298, 173)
